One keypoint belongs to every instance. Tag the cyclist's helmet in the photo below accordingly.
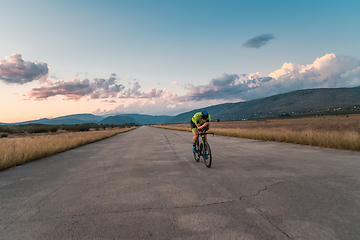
(204, 115)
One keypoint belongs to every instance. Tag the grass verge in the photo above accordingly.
(339, 132)
(20, 150)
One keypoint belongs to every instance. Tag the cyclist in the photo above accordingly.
(200, 121)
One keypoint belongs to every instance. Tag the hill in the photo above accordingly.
(118, 119)
(54, 121)
(90, 118)
(148, 119)
(68, 119)
(291, 103)
(86, 117)
(296, 102)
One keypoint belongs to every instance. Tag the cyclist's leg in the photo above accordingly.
(195, 141)
(196, 137)
(195, 131)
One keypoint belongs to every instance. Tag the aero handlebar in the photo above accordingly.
(204, 133)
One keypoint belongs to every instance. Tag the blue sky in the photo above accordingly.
(167, 57)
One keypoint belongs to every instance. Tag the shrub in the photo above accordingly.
(3, 135)
(53, 129)
(6, 129)
(39, 129)
(82, 128)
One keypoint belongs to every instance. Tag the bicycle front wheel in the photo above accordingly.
(208, 154)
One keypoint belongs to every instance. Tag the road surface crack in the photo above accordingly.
(135, 210)
(299, 180)
(169, 144)
(264, 215)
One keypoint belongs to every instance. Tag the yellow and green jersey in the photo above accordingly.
(197, 118)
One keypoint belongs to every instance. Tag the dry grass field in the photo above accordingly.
(19, 149)
(340, 132)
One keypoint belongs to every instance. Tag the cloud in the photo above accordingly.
(109, 101)
(174, 83)
(16, 70)
(105, 88)
(135, 105)
(134, 92)
(329, 71)
(226, 86)
(258, 41)
(75, 89)
(155, 107)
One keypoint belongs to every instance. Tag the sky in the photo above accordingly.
(168, 57)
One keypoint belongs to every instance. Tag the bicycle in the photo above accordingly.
(202, 149)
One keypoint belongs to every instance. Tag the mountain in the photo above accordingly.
(68, 119)
(118, 119)
(90, 118)
(86, 117)
(301, 101)
(140, 118)
(54, 121)
(148, 119)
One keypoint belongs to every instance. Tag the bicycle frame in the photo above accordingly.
(202, 145)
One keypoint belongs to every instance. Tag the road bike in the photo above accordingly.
(202, 149)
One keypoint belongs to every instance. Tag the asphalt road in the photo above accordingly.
(145, 184)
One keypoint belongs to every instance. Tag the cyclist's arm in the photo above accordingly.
(200, 127)
(206, 125)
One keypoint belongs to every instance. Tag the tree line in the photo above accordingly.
(44, 128)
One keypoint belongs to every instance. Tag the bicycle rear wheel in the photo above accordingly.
(197, 153)
(208, 153)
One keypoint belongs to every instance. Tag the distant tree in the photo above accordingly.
(3, 135)
(53, 129)
(7, 129)
(41, 128)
